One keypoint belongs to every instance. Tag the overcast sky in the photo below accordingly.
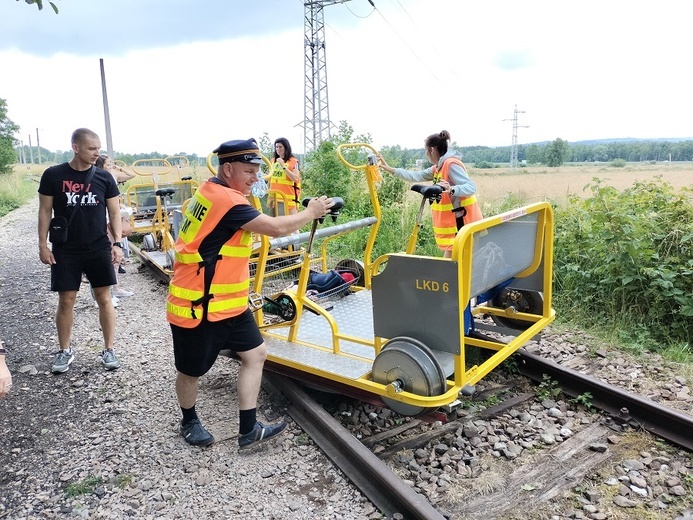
(184, 75)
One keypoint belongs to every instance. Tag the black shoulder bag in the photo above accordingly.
(57, 230)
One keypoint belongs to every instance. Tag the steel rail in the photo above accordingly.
(365, 470)
(623, 406)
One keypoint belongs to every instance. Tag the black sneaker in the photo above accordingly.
(194, 433)
(260, 433)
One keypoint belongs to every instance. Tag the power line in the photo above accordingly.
(407, 45)
(422, 32)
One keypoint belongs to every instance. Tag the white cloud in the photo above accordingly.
(579, 70)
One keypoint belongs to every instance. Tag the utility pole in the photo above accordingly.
(316, 110)
(38, 147)
(31, 152)
(513, 149)
(106, 113)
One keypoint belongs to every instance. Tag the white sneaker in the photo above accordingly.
(122, 293)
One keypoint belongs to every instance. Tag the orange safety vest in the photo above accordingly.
(227, 296)
(444, 215)
(280, 182)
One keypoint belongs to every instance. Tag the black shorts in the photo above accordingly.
(66, 273)
(196, 350)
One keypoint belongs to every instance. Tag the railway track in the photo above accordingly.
(623, 407)
(393, 497)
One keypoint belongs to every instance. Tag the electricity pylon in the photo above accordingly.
(513, 149)
(316, 109)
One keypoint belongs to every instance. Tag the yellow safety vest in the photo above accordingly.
(442, 214)
(280, 182)
(227, 296)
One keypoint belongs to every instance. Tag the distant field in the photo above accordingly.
(541, 183)
(527, 184)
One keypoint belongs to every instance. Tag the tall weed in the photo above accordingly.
(627, 256)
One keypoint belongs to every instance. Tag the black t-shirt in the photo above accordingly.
(87, 230)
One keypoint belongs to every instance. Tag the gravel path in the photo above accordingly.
(94, 444)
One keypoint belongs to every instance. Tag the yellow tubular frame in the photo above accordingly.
(372, 175)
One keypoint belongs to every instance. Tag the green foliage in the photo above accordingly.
(534, 154)
(39, 4)
(556, 153)
(618, 163)
(585, 400)
(324, 174)
(484, 164)
(8, 155)
(15, 189)
(124, 480)
(266, 145)
(627, 258)
(548, 388)
(83, 487)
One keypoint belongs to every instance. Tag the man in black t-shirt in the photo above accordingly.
(62, 192)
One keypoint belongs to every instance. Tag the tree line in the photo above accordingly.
(553, 153)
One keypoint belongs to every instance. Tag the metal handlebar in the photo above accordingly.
(430, 192)
(164, 164)
(356, 145)
(338, 203)
(180, 160)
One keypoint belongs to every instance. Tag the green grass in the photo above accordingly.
(17, 188)
(83, 487)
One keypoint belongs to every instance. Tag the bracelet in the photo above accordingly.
(2, 351)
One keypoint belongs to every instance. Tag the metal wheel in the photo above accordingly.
(149, 242)
(520, 300)
(411, 365)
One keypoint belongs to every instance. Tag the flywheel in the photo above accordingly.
(411, 365)
(518, 300)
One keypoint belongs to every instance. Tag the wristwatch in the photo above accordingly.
(119, 244)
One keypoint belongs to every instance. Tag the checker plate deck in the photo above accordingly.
(354, 317)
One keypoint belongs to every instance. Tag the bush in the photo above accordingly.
(627, 258)
(483, 164)
(618, 163)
